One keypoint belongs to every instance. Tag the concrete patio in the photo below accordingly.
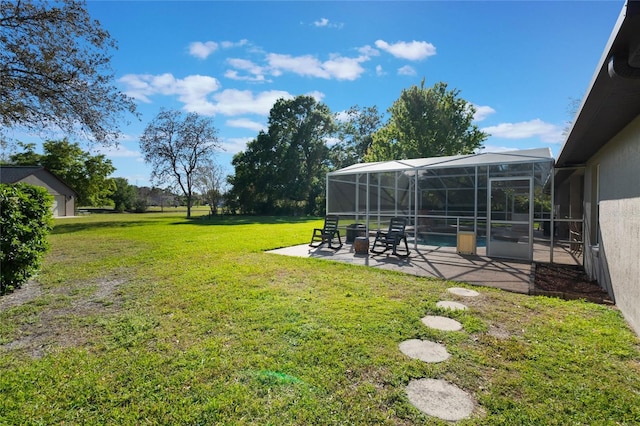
(443, 263)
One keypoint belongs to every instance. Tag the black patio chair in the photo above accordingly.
(327, 233)
(392, 238)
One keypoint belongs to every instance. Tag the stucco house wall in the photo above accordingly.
(604, 141)
(612, 220)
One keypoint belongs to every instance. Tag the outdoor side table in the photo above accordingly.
(361, 245)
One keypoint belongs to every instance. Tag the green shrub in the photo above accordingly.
(140, 205)
(25, 223)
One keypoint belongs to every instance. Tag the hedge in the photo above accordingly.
(25, 222)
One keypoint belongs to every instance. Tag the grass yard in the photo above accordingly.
(155, 319)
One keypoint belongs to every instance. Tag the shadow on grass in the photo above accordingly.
(67, 228)
(244, 220)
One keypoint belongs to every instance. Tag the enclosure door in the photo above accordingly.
(509, 232)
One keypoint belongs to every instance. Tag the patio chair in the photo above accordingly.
(327, 233)
(575, 235)
(392, 238)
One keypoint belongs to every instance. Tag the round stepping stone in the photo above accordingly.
(424, 350)
(463, 292)
(440, 399)
(453, 306)
(441, 323)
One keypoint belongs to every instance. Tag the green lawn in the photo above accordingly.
(155, 319)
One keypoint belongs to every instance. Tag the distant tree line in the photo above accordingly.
(283, 170)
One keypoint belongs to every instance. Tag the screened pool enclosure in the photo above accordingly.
(503, 199)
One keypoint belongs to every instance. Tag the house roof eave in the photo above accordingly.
(612, 101)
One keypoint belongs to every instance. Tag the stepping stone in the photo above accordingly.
(440, 399)
(424, 350)
(463, 292)
(441, 323)
(453, 306)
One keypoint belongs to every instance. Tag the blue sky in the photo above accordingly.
(520, 63)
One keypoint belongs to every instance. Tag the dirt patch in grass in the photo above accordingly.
(567, 282)
(49, 327)
(28, 292)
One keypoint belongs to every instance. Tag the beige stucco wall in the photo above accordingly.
(616, 261)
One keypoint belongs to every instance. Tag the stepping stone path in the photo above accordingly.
(439, 398)
(463, 292)
(424, 350)
(441, 323)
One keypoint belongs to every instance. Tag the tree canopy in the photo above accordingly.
(356, 128)
(427, 122)
(55, 71)
(175, 145)
(124, 196)
(87, 174)
(283, 170)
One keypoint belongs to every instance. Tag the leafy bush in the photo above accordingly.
(25, 222)
(140, 205)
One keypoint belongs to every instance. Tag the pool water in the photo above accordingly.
(448, 240)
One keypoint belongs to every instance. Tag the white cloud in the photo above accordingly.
(230, 44)
(257, 72)
(245, 123)
(338, 67)
(406, 70)
(547, 132)
(237, 102)
(318, 96)
(379, 70)
(368, 51)
(202, 50)
(325, 23)
(119, 151)
(482, 112)
(235, 145)
(342, 116)
(412, 51)
(192, 91)
(344, 68)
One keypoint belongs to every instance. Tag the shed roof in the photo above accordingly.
(469, 160)
(13, 174)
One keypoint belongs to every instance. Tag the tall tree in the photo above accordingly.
(356, 128)
(301, 127)
(283, 170)
(257, 185)
(54, 70)
(209, 181)
(427, 122)
(175, 145)
(124, 195)
(87, 174)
